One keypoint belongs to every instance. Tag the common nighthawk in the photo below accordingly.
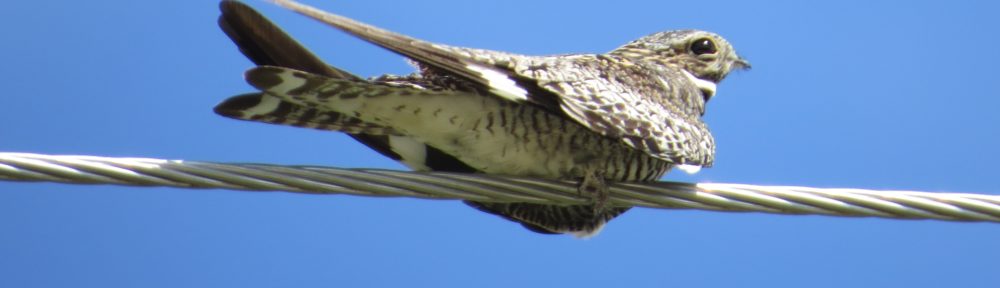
(629, 115)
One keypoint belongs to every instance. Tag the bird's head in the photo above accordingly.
(705, 55)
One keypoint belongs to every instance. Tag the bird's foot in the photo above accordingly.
(596, 188)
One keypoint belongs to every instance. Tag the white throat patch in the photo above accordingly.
(706, 87)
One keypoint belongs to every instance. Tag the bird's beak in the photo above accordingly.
(741, 63)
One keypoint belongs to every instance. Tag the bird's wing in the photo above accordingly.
(655, 111)
(476, 65)
(644, 117)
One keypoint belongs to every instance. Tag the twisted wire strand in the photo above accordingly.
(491, 188)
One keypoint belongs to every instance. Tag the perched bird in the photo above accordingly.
(628, 115)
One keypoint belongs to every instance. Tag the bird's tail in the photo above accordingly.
(265, 44)
(260, 107)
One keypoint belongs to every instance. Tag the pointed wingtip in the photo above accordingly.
(292, 5)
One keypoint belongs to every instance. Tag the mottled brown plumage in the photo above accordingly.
(628, 115)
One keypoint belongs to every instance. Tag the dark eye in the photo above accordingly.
(703, 46)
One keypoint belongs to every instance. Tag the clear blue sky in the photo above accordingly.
(899, 95)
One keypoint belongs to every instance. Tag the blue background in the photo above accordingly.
(894, 95)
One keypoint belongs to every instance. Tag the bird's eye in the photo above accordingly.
(703, 46)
